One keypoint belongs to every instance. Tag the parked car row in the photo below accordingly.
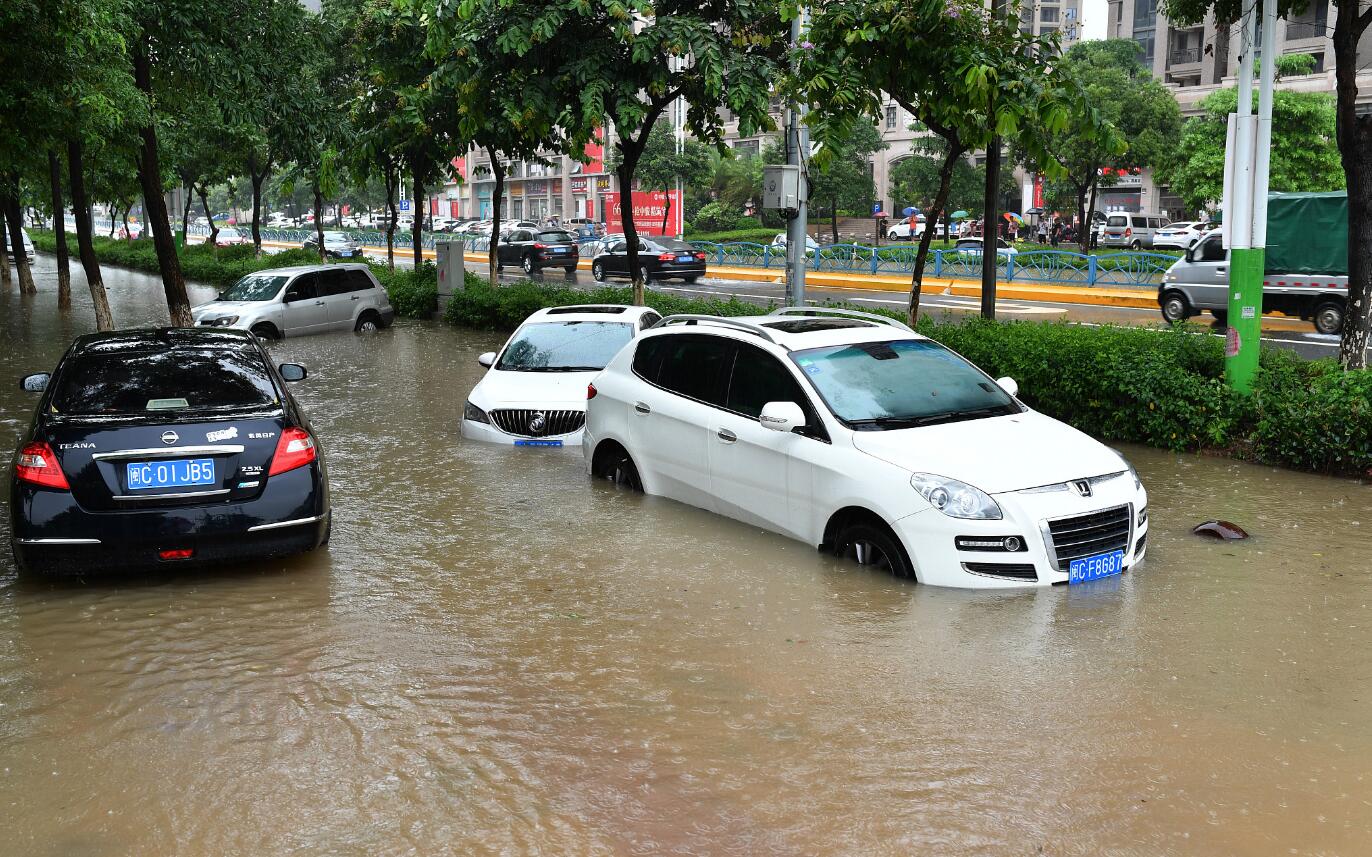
(842, 429)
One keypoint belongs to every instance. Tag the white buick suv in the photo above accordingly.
(535, 391)
(851, 432)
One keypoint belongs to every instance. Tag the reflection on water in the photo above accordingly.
(497, 655)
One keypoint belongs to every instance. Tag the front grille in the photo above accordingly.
(1007, 570)
(1089, 535)
(526, 423)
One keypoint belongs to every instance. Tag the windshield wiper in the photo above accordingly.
(929, 419)
(885, 422)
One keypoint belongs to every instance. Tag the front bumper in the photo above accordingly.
(387, 316)
(930, 537)
(488, 433)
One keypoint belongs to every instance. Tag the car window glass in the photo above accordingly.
(648, 357)
(759, 378)
(1117, 220)
(333, 282)
(358, 280)
(302, 288)
(648, 320)
(176, 380)
(254, 287)
(1140, 222)
(618, 247)
(564, 346)
(556, 237)
(691, 366)
(1211, 251)
(889, 384)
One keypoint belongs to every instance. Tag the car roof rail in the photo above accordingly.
(847, 313)
(688, 318)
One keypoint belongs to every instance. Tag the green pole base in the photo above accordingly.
(1244, 338)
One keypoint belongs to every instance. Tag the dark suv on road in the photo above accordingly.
(175, 445)
(533, 249)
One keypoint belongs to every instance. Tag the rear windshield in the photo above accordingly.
(335, 236)
(1117, 220)
(254, 287)
(674, 244)
(173, 381)
(565, 346)
(555, 237)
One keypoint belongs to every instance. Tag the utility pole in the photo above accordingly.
(797, 151)
(1245, 200)
(990, 254)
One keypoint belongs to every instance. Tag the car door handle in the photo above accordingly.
(1219, 270)
(356, 298)
(642, 408)
(726, 435)
(319, 303)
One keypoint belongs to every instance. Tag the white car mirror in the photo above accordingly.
(487, 359)
(781, 416)
(1009, 385)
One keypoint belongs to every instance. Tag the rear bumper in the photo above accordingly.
(387, 316)
(682, 271)
(53, 534)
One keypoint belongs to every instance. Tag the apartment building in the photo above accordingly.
(1195, 61)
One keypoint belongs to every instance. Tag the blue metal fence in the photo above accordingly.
(1030, 266)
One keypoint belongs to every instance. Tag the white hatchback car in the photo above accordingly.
(851, 432)
(535, 391)
(300, 300)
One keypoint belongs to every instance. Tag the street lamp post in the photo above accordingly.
(797, 149)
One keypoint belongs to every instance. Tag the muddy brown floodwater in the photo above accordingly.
(498, 656)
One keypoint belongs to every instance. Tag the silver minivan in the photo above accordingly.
(300, 300)
(1135, 231)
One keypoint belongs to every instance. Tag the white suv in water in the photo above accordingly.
(535, 391)
(851, 432)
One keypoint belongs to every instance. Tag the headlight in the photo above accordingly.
(955, 499)
(224, 321)
(475, 414)
(1138, 484)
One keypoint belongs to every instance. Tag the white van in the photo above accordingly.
(1135, 231)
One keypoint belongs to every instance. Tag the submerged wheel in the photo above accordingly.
(1175, 307)
(368, 322)
(598, 272)
(618, 467)
(1136, 245)
(873, 547)
(1329, 317)
(265, 332)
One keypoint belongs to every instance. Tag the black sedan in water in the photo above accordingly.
(176, 445)
(658, 259)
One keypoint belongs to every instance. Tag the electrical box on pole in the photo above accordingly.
(781, 187)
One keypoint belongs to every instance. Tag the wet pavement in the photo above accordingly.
(498, 656)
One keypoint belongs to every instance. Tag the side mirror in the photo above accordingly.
(1009, 385)
(781, 416)
(36, 383)
(487, 359)
(292, 372)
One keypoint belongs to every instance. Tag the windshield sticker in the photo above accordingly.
(223, 434)
(167, 404)
(812, 369)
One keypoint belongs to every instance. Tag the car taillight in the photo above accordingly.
(666, 257)
(700, 256)
(590, 392)
(1128, 232)
(37, 465)
(175, 554)
(538, 246)
(295, 449)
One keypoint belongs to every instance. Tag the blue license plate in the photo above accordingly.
(1095, 567)
(559, 249)
(345, 252)
(685, 258)
(538, 443)
(179, 473)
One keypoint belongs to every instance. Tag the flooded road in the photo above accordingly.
(498, 656)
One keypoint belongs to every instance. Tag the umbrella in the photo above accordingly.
(959, 215)
(909, 210)
(1034, 211)
(1010, 215)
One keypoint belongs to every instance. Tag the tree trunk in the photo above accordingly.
(128, 233)
(204, 194)
(990, 254)
(945, 183)
(319, 222)
(114, 218)
(418, 232)
(1088, 238)
(186, 215)
(15, 218)
(154, 207)
(257, 177)
(631, 152)
(1082, 213)
(493, 252)
(666, 210)
(1355, 149)
(5, 276)
(833, 218)
(389, 178)
(59, 231)
(81, 207)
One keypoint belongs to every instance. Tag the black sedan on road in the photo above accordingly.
(166, 446)
(533, 249)
(337, 245)
(658, 259)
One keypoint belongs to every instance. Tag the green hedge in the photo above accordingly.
(1163, 388)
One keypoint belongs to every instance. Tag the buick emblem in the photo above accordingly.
(170, 437)
(537, 422)
(1082, 486)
